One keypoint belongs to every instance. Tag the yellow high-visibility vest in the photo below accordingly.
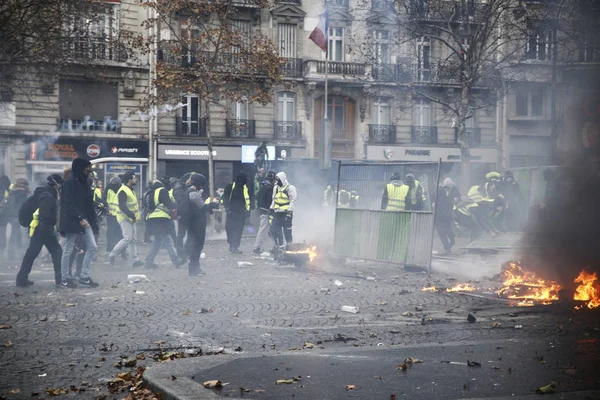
(160, 210)
(35, 221)
(282, 200)
(246, 195)
(132, 204)
(97, 195)
(396, 197)
(113, 202)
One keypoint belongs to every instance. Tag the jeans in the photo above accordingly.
(282, 227)
(113, 233)
(196, 229)
(129, 230)
(443, 225)
(90, 253)
(161, 239)
(234, 227)
(181, 232)
(15, 242)
(263, 231)
(38, 240)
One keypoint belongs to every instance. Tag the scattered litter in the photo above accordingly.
(380, 344)
(548, 389)
(350, 309)
(370, 278)
(473, 364)
(42, 375)
(407, 314)
(7, 326)
(402, 367)
(289, 381)
(337, 283)
(265, 254)
(202, 256)
(140, 292)
(496, 325)
(471, 319)
(135, 278)
(243, 264)
(412, 360)
(216, 384)
(325, 290)
(417, 308)
(350, 387)
(518, 326)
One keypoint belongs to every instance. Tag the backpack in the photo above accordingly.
(27, 209)
(184, 206)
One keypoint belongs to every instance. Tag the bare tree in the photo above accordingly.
(207, 52)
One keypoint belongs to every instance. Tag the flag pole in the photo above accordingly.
(327, 145)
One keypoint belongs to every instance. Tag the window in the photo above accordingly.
(530, 103)
(335, 112)
(242, 29)
(88, 105)
(239, 110)
(190, 115)
(423, 59)
(381, 112)
(589, 47)
(539, 45)
(8, 113)
(422, 112)
(286, 106)
(104, 23)
(382, 47)
(336, 44)
(287, 40)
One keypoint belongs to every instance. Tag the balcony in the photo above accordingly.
(382, 133)
(337, 3)
(472, 136)
(287, 130)
(297, 2)
(293, 68)
(447, 11)
(338, 68)
(240, 128)
(410, 72)
(382, 5)
(244, 3)
(392, 73)
(94, 48)
(186, 127)
(88, 125)
(424, 134)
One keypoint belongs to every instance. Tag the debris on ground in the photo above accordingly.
(288, 381)
(243, 264)
(350, 309)
(473, 363)
(337, 283)
(471, 319)
(548, 389)
(214, 384)
(136, 278)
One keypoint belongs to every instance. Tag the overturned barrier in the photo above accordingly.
(367, 231)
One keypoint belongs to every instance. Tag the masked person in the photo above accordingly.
(415, 198)
(284, 200)
(18, 193)
(236, 200)
(4, 192)
(42, 231)
(78, 217)
(447, 196)
(158, 222)
(193, 211)
(394, 194)
(480, 216)
(264, 198)
(113, 230)
(128, 214)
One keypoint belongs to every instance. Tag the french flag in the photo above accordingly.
(319, 34)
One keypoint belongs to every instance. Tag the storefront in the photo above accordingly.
(110, 158)
(174, 160)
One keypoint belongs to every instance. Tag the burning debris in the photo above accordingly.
(588, 289)
(462, 288)
(525, 286)
(299, 254)
(429, 289)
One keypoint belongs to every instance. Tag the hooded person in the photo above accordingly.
(113, 229)
(193, 210)
(42, 231)
(415, 198)
(78, 217)
(264, 198)
(283, 205)
(447, 196)
(158, 223)
(237, 203)
(394, 194)
(4, 192)
(18, 193)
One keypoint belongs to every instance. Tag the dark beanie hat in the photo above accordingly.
(198, 180)
(126, 177)
(55, 179)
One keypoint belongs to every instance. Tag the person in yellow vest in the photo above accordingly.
(113, 229)
(237, 203)
(330, 195)
(158, 222)
(42, 232)
(128, 214)
(415, 198)
(283, 205)
(4, 192)
(480, 216)
(394, 194)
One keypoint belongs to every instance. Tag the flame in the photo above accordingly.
(310, 250)
(588, 289)
(429, 289)
(526, 286)
(462, 288)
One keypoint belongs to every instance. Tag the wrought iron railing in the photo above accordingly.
(94, 48)
(287, 130)
(83, 125)
(392, 73)
(240, 128)
(293, 68)
(472, 136)
(298, 2)
(190, 127)
(424, 134)
(382, 133)
(341, 68)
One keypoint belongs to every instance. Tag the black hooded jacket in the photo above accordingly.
(235, 201)
(48, 206)
(76, 201)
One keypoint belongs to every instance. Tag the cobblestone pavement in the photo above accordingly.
(68, 336)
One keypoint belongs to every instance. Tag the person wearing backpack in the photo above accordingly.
(16, 198)
(4, 192)
(237, 202)
(193, 210)
(44, 201)
(263, 201)
(78, 217)
(158, 222)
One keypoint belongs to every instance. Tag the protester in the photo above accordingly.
(264, 197)
(192, 209)
(4, 192)
(447, 196)
(17, 196)
(284, 200)
(236, 200)
(113, 229)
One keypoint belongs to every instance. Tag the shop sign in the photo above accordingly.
(190, 152)
(51, 149)
(122, 168)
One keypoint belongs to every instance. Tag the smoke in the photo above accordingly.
(472, 266)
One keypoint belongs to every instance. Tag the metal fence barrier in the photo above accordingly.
(367, 231)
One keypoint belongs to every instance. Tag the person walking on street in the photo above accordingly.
(4, 192)
(17, 196)
(236, 200)
(264, 198)
(284, 200)
(113, 230)
(192, 209)
(42, 231)
(128, 214)
(158, 222)
(447, 196)
(78, 217)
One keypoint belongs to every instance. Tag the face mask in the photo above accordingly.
(279, 183)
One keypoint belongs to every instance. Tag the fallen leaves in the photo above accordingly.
(7, 345)
(186, 312)
(496, 325)
(6, 326)
(412, 360)
(14, 391)
(402, 367)
(548, 389)
(214, 384)
(350, 387)
(70, 304)
(127, 363)
(473, 364)
(56, 392)
(130, 382)
(288, 381)
(309, 345)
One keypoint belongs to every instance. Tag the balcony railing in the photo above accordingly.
(291, 130)
(89, 125)
(406, 72)
(298, 2)
(339, 134)
(189, 127)
(337, 3)
(447, 11)
(293, 68)
(392, 73)
(382, 133)
(245, 3)
(424, 134)
(472, 136)
(94, 48)
(240, 128)
(341, 68)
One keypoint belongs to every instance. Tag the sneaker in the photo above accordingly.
(235, 251)
(257, 250)
(137, 264)
(24, 284)
(68, 284)
(179, 262)
(198, 272)
(88, 282)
